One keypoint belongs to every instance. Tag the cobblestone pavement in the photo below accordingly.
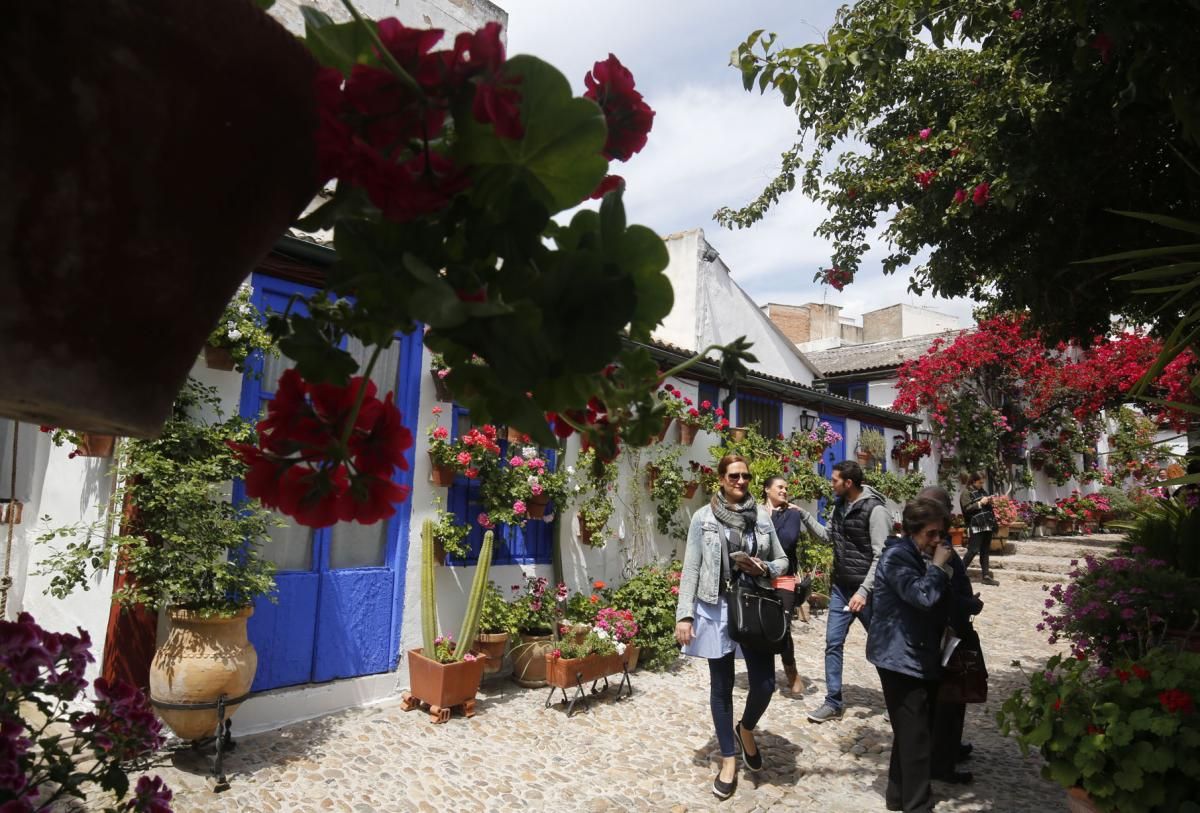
(652, 751)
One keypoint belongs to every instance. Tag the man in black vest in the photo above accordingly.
(858, 528)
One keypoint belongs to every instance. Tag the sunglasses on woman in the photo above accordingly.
(738, 476)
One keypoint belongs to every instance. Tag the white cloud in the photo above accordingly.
(713, 144)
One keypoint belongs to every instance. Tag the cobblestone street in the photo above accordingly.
(653, 751)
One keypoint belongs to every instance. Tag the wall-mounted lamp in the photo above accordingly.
(807, 422)
(710, 254)
(925, 435)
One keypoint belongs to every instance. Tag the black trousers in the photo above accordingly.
(911, 703)
(788, 656)
(980, 543)
(948, 722)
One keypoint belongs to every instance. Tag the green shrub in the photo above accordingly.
(651, 594)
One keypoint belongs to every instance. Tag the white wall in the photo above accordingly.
(453, 16)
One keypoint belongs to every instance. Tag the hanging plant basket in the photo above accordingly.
(218, 358)
(651, 476)
(148, 166)
(536, 506)
(441, 476)
(95, 445)
(440, 389)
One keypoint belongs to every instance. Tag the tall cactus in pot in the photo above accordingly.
(470, 623)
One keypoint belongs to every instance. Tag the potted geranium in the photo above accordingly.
(597, 506)
(87, 444)
(240, 331)
(1005, 510)
(957, 530)
(604, 648)
(536, 611)
(449, 536)
(872, 447)
(444, 461)
(1123, 738)
(184, 546)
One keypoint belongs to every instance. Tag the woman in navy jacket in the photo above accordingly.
(905, 642)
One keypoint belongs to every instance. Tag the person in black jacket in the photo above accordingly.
(977, 512)
(948, 718)
(905, 643)
(788, 527)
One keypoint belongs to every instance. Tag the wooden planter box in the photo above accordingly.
(567, 673)
(442, 686)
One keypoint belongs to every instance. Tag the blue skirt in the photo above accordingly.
(710, 631)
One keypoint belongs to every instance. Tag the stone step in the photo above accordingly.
(1061, 549)
(1089, 540)
(1034, 564)
(1019, 575)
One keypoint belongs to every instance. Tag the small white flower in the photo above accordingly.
(601, 634)
(231, 325)
(620, 648)
(571, 471)
(235, 334)
(577, 488)
(243, 309)
(529, 452)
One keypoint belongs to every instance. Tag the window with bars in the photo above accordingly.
(531, 545)
(764, 414)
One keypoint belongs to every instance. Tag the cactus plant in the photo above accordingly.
(470, 624)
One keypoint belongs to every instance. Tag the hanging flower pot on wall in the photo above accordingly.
(95, 445)
(687, 433)
(147, 166)
(218, 358)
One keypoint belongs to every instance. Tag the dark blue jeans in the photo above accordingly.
(837, 627)
(760, 669)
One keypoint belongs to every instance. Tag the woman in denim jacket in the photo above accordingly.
(702, 615)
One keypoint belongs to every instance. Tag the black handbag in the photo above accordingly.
(756, 617)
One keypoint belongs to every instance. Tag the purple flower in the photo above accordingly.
(150, 796)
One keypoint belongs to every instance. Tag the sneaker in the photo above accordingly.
(990, 580)
(825, 712)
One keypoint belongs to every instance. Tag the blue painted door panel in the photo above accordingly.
(339, 595)
(285, 645)
(352, 619)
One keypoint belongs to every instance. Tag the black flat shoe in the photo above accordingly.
(755, 762)
(964, 751)
(956, 777)
(723, 790)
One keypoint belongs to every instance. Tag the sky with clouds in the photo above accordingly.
(713, 144)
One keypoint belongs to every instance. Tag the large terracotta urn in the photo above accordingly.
(202, 658)
(529, 660)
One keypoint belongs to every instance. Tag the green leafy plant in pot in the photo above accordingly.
(184, 546)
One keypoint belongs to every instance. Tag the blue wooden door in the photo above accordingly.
(833, 455)
(340, 589)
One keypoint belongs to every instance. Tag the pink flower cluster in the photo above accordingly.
(617, 623)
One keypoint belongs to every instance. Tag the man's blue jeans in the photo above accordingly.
(836, 628)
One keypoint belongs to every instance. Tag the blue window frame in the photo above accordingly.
(711, 392)
(764, 414)
(531, 545)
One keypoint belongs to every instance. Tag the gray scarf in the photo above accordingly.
(738, 518)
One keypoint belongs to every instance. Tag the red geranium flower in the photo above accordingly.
(629, 118)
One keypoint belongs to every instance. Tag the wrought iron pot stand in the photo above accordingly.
(624, 689)
(222, 739)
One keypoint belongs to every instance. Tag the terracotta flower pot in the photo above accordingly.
(738, 433)
(202, 659)
(666, 426)
(441, 476)
(218, 358)
(957, 536)
(440, 389)
(181, 118)
(95, 445)
(443, 685)
(818, 601)
(632, 654)
(536, 506)
(1002, 532)
(687, 433)
(565, 673)
(514, 435)
(689, 489)
(1078, 801)
(651, 476)
(863, 458)
(494, 645)
(529, 660)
